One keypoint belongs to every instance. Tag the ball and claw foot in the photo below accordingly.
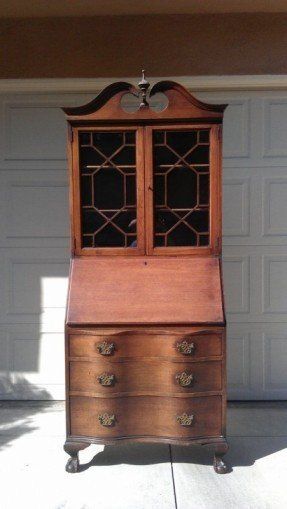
(72, 465)
(72, 448)
(219, 466)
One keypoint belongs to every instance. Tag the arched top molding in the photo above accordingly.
(167, 86)
(182, 105)
(101, 99)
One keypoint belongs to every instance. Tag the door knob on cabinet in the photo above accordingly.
(107, 419)
(185, 419)
(106, 348)
(184, 379)
(106, 379)
(186, 348)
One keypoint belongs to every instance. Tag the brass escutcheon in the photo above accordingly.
(186, 348)
(184, 379)
(185, 419)
(106, 348)
(107, 419)
(106, 379)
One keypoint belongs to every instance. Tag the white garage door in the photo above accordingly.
(34, 243)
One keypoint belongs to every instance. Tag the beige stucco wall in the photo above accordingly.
(164, 45)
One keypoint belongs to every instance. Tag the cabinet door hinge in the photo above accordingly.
(75, 245)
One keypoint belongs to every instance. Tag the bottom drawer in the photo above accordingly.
(146, 416)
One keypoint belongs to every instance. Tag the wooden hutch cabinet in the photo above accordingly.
(145, 326)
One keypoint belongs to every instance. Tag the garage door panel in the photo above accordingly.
(236, 131)
(34, 130)
(267, 127)
(4, 346)
(259, 199)
(275, 127)
(239, 361)
(244, 361)
(257, 357)
(236, 221)
(34, 239)
(274, 363)
(236, 271)
(34, 208)
(275, 206)
(274, 273)
(34, 285)
(257, 274)
(27, 364)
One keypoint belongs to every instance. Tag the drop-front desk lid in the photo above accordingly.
(145, 290)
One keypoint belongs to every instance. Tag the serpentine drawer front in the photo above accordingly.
(144, 377)
(145, 323)
(143, 417)
(189, 346)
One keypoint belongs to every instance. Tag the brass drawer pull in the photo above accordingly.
(186, 348)
(106, 348)
(185, 379)
(107, 419)
(185, 420)
(106, 379)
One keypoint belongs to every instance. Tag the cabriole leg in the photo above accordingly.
(73, 448)
(219, 465)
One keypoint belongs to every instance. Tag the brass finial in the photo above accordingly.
(144, 86)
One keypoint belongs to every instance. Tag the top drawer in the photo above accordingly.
(140, 344)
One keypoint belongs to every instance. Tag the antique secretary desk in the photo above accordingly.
(145, 325)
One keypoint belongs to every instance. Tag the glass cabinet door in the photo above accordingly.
(110, 172)
(182, 165)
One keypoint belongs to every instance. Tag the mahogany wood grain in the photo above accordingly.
(149, 377)
(180, 329)
(76, 196)
(215, 193)
(146, 416)
(146, 304)
(183, 111)
(133, 344)
(189, 441)
(145, 192)
(145, 290)
(106, 107)
(224, 383)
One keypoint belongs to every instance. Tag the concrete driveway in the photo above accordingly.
(137, 476)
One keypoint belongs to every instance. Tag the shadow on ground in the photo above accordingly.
(243, 452)
(17, 418)
(248, 438)
(255, 430)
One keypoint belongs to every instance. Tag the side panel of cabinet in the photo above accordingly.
(110, 222)
(213, 236)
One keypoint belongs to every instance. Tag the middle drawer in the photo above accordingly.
(149, 377)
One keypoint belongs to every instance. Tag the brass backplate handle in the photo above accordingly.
(185, 379)
(185, 419)
(107, 419)
(106, 379)
(106, 348)
(186, 348)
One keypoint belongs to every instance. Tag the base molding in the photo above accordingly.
(147, 439)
